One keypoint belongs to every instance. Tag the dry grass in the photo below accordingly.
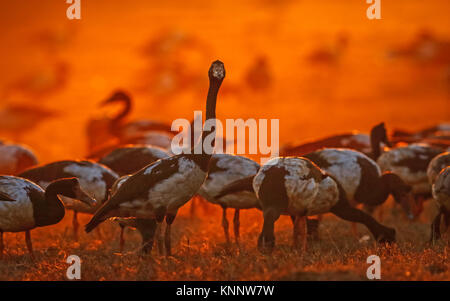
(201, 254)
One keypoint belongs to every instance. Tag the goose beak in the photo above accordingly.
(85, 198)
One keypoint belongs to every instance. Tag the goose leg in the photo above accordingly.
(301, 220)
(312, 228)
(381, 233)
(147, 229)
(266, 240)
(294, 232)
(436, 228)
(236, 225)
(225, 224)
(447, 225)
(75, 225)
(1, 245)
(28, 242)
(300, 231)
(159, 239)
(169, 220)
(160, 214)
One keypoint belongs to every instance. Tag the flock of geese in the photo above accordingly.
(134, 179)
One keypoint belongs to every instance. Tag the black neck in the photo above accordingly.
(203, 158)
(375, 144)
(50, 210)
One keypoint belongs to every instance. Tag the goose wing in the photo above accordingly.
(5, 198)
(137, 186)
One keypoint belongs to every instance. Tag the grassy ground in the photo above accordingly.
(201, 254)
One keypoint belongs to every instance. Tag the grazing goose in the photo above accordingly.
(369, 145)
(299, 188)
(15, 158)
(441, 193)
(131, 158)
(25, 206)
(223, 170)
(410, 163)
(160, 189)
(95, 179)
(361, 178)
(436, 165)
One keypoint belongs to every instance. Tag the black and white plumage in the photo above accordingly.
(223, 170)
(145, 227)
(436, 165)
(25, 206)
(441, 193)
(15, 158)
(361, 178)
(131, 158)
(95, 179)
(410, 163)
(297, 187)
(160, 189)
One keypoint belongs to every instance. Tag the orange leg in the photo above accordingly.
(300, 230)
(29, 244)
(236, 225)
(303, 231)
(169, 220)
(225, 224)
(159, 238)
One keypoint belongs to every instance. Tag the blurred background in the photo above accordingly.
(321, 67)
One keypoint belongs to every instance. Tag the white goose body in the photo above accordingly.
(410, 164)
(169, 192)
(223, 170)
(347, 167)
(17, 216)
(436, 165)
(95, 179)
(309, 191)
